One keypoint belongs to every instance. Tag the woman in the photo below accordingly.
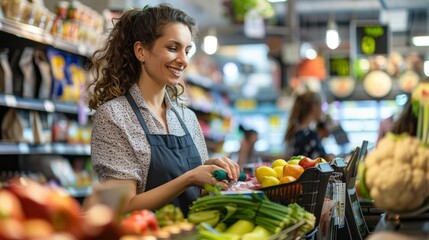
(301, 138)
(142, 136)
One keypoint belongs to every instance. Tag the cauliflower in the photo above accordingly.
(397, 173)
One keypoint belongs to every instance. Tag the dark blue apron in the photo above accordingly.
(171, 156)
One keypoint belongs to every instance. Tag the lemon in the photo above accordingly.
(264, 171)
(268, 181)
(278, 162)
(279, 171)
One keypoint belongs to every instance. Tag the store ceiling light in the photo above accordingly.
(210, 43)
(420, 41)
(307, 51)
(426, 68)
(332, 36)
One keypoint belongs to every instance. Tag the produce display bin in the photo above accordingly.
(308, 190)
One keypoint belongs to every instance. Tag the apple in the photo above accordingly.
(54, 205)
(307, 162)
(320, 160)
(11, 229)
(64, 211)
(32, 197)
(99, 223)
(37, 229)
(10, 206)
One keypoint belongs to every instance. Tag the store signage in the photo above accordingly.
(372, 39)
(339, 66)
(245, 104)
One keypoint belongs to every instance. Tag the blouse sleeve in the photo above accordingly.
(111, 153)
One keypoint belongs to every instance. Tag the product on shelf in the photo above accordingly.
(17, 126)
(43, 72)
(27, 69)
(5, 73)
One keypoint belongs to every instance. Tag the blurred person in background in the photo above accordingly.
(301, 136)
(247, 153)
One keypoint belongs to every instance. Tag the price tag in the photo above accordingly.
(48, 38)
(49, 106)
(87, 149)
(23, 148)
(81, 49)
(10, 101)
(59, 148)
(47, 148)
(339, 196)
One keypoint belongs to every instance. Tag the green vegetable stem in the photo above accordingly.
(272, 216)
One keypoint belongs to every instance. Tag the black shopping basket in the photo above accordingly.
(308, 190)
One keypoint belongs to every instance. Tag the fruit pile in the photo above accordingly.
(282, 171)
(29, 210)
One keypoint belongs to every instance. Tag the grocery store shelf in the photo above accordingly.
(52, 148)
(41, 36)
(79, 192)
(205, 82)
(44, 105)
(212, 109)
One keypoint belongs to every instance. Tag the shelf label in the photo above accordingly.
(10, 101)
(59, 148)
(49, 106)
(81, 49)
(48, 38)
(23, 148)
(47, 148)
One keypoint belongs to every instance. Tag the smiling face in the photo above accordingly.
(165, 62)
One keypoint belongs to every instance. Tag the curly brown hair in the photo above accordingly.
(114, 66)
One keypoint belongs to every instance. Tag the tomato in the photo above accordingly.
(139, 222)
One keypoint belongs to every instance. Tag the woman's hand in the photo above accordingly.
(203, 175)
(232, 169)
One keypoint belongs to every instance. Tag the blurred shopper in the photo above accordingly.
(406, 121)
(247, 153)
(301, 136)
(142, 136)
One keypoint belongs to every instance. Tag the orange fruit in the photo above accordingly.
(292, 170)
(287, 179)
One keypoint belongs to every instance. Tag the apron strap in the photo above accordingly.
(140, 116)
(181, 121)
(137, 112)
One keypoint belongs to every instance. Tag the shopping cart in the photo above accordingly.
(353, 224)
(308, 191)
